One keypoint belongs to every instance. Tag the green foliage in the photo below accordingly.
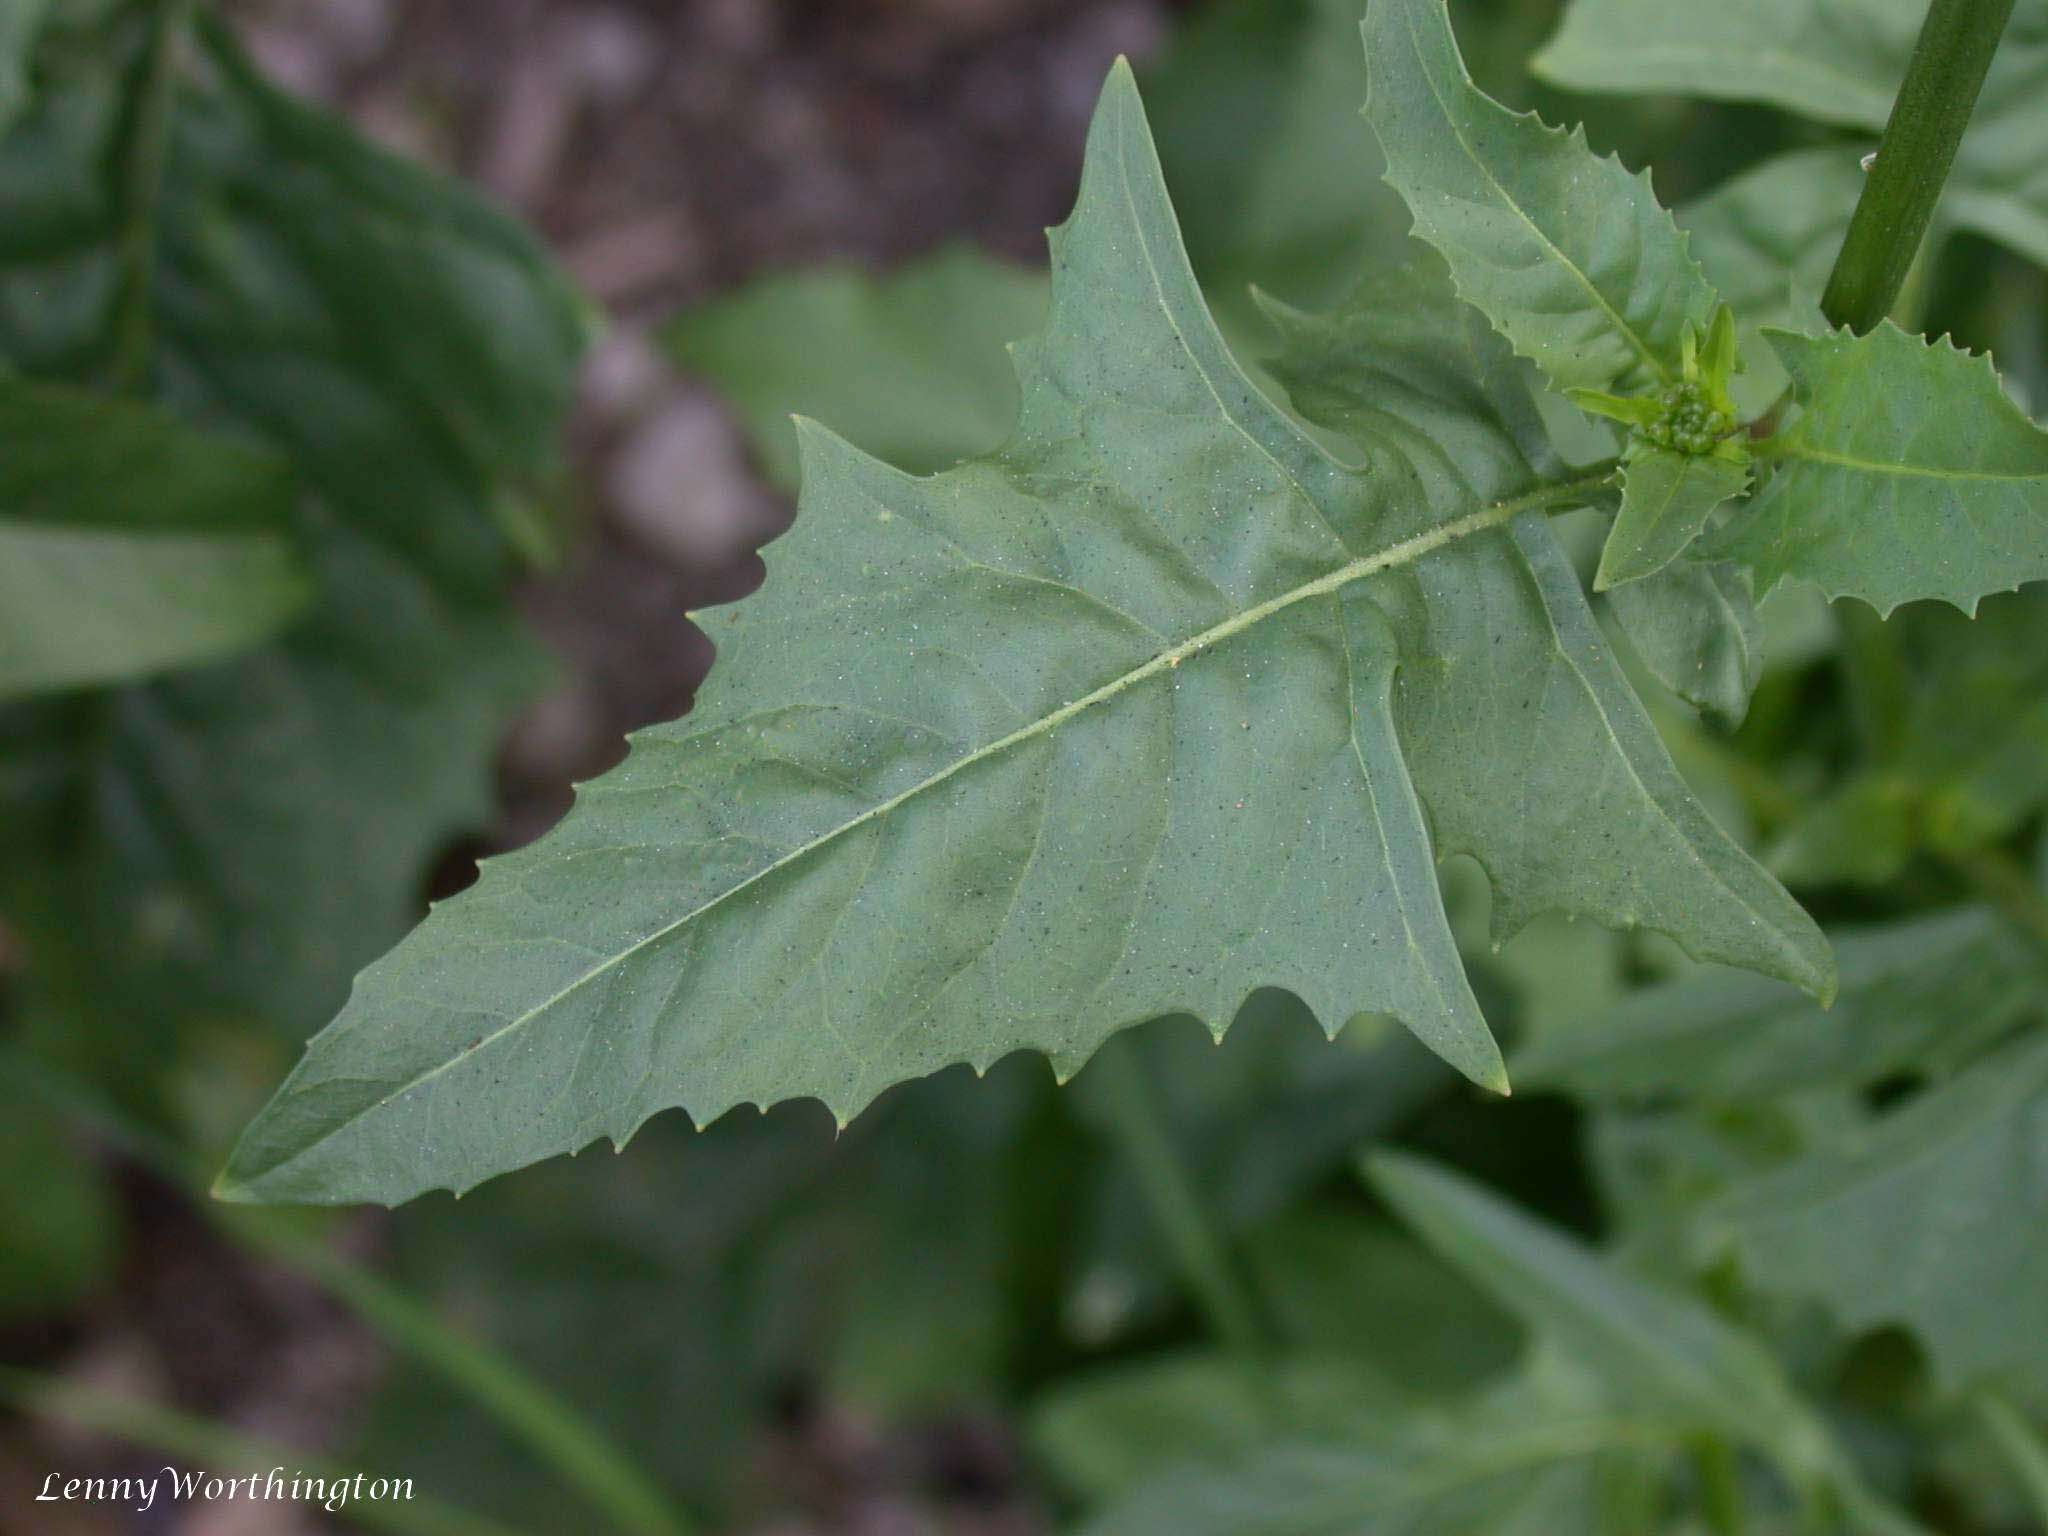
(1913, 995)
(1565, 252)
(129, 545)
(18, 28)
(1837, 62)
(233, 841)
(1128, 680)
(1160, 709)
(1940, 1199)
(1911, 436)
(1666, 498)
(1694, 625)
(911, 369)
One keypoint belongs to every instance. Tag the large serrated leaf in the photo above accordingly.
(1564, 251)
(1909, 473)
(1118, 722)
(130, 544)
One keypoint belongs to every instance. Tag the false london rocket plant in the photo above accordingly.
(987, 764)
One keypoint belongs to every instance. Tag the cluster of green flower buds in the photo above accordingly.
(1692, 415)
(1689, 422)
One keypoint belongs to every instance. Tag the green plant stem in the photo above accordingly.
(222, 1450)
(2021, 1447)
(558, 1436)
(554, 1432)
(1176, 1207)
(1928, 117)
(142, 175)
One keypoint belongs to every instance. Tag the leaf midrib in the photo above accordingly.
(1800, 453)
(1551, 495)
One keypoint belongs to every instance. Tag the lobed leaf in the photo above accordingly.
(1127, 719)
(1909, 473)
(130, 544)
(1564, 251)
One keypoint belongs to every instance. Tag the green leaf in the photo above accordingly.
(1915, 995)
(1565, 252)
(1666, 499)
(1660, 1352)
(1822, 58)
(1909, 473)
(1695, 626)
(237, 841)
(1930, 1220)
(1768, 237)
(1966, 762)
(973, 768)
(1544, 1479)
(130, 544)
(1840, 61)
(909, 368)
(1542, 1452)
(1105, 1433)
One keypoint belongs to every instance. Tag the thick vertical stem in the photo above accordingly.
(1928, 117)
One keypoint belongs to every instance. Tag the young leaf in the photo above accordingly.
(992, 761)
(130, 544)
(1564, 251)
(1915, 995)
(1931, 1221)
(1666, 499)
(1908, 474)
(1694, 625)
(1658, 1351)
